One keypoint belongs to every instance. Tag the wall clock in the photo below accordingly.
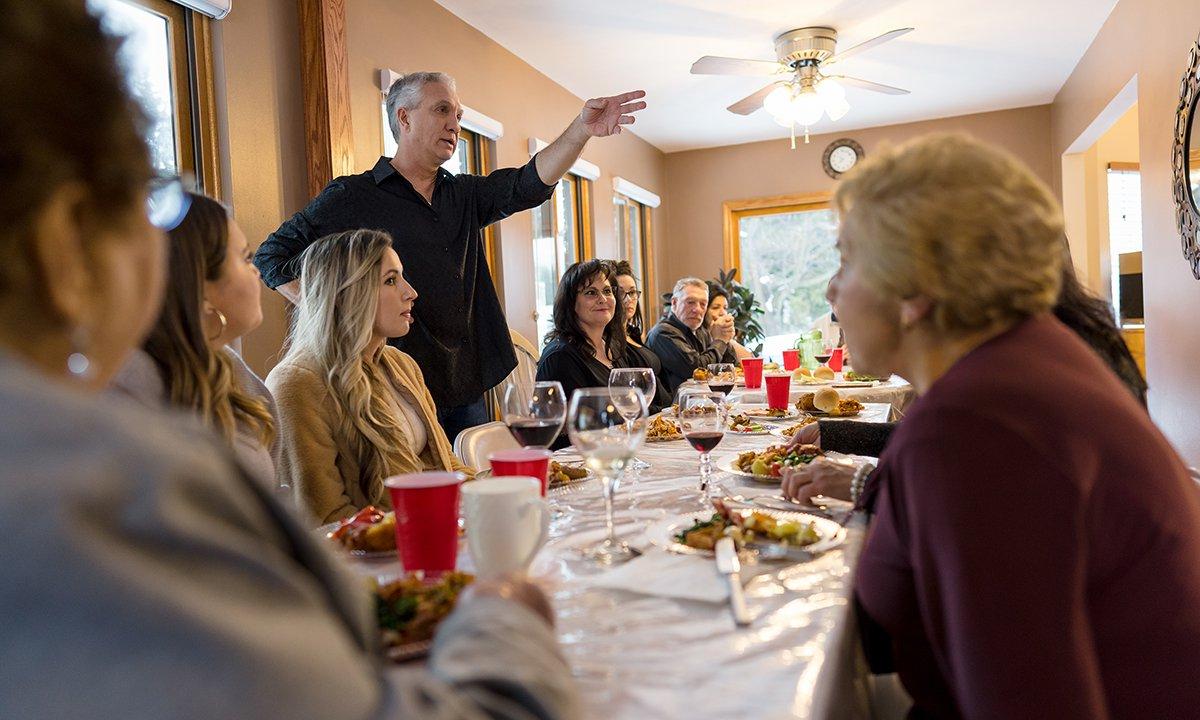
(840, 156)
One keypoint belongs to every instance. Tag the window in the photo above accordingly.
(561, 236)
(1125, 239)
(167, 59)
(632, 221)
(785, 251)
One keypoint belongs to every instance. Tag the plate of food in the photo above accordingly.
(787, 433)
(829, 402)
(851, 376)
(370, 534)
(410, 609)
(753, 529)
(767, 466)
(662, 429)
(740, 424)
(766, 413)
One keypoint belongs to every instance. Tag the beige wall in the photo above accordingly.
(1149, 39)
(262, 135)
(410, 35)
(699, 181)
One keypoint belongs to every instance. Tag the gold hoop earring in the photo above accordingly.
(224, 324)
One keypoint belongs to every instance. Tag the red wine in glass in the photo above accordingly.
(704, 440)
(534, 432)
(823, 357)
(721, 387)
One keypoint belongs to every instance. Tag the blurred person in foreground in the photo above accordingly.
(1010, 566)
(142, 574)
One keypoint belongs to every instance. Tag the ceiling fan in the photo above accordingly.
(802, 91)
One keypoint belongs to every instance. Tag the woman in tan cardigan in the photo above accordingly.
(352, 409)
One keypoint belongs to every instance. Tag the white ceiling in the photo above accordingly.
(965, 56)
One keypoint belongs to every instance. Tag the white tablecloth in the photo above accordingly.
(639, 656)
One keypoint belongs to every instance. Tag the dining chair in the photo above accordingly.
(523, 376)
(474, 445)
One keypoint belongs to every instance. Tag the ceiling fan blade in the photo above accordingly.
(848, 52)
(713, 65)
(868, 85)
(750, 103)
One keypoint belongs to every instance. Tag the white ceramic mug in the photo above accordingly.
(507, 522)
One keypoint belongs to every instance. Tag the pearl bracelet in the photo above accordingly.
(859, 482)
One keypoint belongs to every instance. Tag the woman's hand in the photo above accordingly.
(517, 589)
(810, 434)
(822, 476)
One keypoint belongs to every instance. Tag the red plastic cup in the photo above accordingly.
(778, 385)
(523, 462)
(835, 360)
(791, 359)
(426, 506)
(752, 368)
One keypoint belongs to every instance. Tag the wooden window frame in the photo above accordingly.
(645, 219)
(734, 210)
(193, 92)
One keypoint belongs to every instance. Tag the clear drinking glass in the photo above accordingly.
(702, 415)
(599, 431)
(721, 378)
(535, 418)
(642, 379)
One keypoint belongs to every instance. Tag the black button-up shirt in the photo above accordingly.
(459, 335)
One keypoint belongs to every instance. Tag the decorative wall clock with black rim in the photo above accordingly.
(840, 156)
(1185, 161)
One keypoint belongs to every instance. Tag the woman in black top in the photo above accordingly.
(588, 339)
(636, 353)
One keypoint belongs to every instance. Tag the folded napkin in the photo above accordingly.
(666, 574)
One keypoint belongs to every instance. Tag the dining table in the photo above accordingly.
(654, 637)
(895, 391)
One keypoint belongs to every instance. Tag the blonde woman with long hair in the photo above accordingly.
(212, 300)
(353, 409)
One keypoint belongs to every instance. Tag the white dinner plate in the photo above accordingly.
(382, 555)
(812, 382)
(727, 465)
(752, 412)
(778, 432)
(662, 533)
(764, 431)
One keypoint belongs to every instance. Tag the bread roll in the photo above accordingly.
(823, 373)
(800, 372)
(826, 400)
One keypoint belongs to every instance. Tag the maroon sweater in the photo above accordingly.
(1035, 550)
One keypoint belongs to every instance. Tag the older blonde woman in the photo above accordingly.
(1036, 541)
(352, 409)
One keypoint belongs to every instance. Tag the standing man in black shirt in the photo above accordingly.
(459, 336)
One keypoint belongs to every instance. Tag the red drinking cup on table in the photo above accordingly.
(752, 369)
(778, 385)
(835, 360)
(522, 462)
(426, 506)
(791, 359)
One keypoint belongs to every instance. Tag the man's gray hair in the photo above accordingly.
(688, 282)
(406, 93)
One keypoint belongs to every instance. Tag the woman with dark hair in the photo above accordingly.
(718, 306)
(213, 298)
(588, 339)
(636, 353)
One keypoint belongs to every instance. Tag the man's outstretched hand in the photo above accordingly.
(604, 116)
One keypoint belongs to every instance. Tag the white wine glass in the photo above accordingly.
(599, 431)
(642, 379)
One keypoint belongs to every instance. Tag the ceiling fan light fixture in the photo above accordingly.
(807, 107)
(837, 109)
(779, 104)
(831, 90)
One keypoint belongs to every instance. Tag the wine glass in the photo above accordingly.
(602, 435)
(702, 414)
(822, 354)
(642, 379)
(535, 420)
(721, 377)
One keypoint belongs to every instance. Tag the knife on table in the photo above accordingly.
(729, 566)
